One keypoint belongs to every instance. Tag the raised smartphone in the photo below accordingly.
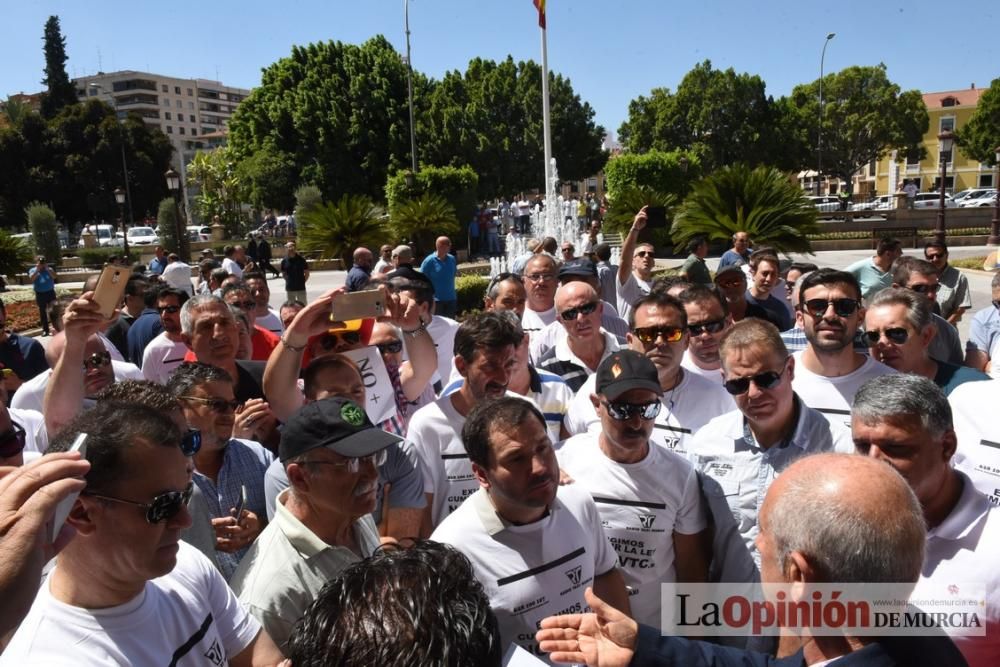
(111, 288)
(358, 305)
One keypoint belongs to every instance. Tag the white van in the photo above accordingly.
(105, 235)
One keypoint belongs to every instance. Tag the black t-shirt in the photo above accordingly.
(294, 269)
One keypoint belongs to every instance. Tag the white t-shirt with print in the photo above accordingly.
(534, 322)
(536, 570)
(687, 407)
(435, 432)
(642, 505)
(833, 396)
(187, 617)
(161, 357)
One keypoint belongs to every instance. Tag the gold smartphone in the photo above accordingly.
(111, 288)
(358, 305)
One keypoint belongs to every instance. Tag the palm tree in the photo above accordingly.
(423, 219)
(337, 228)
(15, 255)
(762, 202)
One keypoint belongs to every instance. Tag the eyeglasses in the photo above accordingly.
(842, 307)
(570, 314)
(12, 441)
(625, 411)
(392, 347)
(191, 442)
(541, 277)
(245, 305)
(163, 507)
(219, 405)
(934, 256)
(168, 309)
(353, 464)
(333, 339)
(897, 335)
(643, 253)
(924, 288)
(712, 327)
(97, 360)
(651, 334)
(765, 380)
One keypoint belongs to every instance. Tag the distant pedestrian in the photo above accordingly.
(361, 271)
(296, 272)
(264, 256)
(441, 267)
(911, 191)
(43, 281)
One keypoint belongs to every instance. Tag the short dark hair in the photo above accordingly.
(218, 275)
(255, 275)
(763, 255)
(151, 294)
(934, 242)
(886, 244)
(802, 267)
(905, 266)
(292, 303)
(696, 242)
(136, 286)
(666, 283)
(828, 277)
(602, 251)
(317, 366)
(165, 292)
(660, 299)
(191, 374)
(141, 392)
(702, 294)
(235, 287)
(112, 427)
(228, 250)
(486, 330)
(506, 412)
(402, 607)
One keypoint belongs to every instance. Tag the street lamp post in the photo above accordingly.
(409, 86)
(945, 141)
(120, 199)
(121, 134)
(174, 185)
(819, 134)
(995, 223)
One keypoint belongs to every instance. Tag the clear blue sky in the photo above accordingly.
(612, 50)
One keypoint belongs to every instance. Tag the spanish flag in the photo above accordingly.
(540, 6)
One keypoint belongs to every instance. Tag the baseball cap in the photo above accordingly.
(623, 371)
(578, 267)
(336, 423)
(407, 277)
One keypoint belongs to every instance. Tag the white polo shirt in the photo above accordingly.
(977, 426)
(532, 571)
(641, 505)
(686, 408)
(715, 375)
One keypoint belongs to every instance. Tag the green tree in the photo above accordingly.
(761, 201)
(166, 224)
(337, 228)
(44, 231)
(14, 254)
(307, 197)
(220, 188)
(422, 220)
(60, 90)
(980, 137)
(653, 171)
(457, 185)
(865, 116)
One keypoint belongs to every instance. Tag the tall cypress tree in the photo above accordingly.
(61, 91)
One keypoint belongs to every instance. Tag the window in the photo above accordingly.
(180, 105)
(92, 91)
(181, 130)
(871, 167)
(190, 105)
(166, 114)
(194, 132)
(165, 88)
(947, 123)
(177, 90)
(191, 117)
(949, 102)
(190, 93)
(986, 180)
(949, 184)
(170, 129)
(166, 102)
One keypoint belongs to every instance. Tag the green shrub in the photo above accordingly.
(456, 184)
(337, 228)
(44, 231)
(471, 290)
(98, 256)
(14, 254)
(166, 224)
(307, 197)
(656, 171)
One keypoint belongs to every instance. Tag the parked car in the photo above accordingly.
(825, 203)
(986, 198)
(973, 193)
(199, 233)
(880, 203)
(932, 200)
(105, 235)
(142, 236)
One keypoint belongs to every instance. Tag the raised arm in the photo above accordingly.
(628, 245)
(416, 373)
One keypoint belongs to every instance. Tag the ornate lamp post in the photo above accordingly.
(995, 223)
(819, 138)
(120, 198)
(945, 140)
(174, 185)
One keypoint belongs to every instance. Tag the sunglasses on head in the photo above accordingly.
(12, 441)
(765, 380)
(333, 339)
(570, 314)
(168, 309)
(651, 334)
(620, 411)
(842, 307)
(712, 327)
(897, 335)
(219, 405)
(392, 347)
(162, 508)
(97, 360)
(191, 442)
(923, 288)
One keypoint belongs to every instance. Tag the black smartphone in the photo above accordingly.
(656, 216)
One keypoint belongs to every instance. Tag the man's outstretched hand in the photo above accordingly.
(604, 638)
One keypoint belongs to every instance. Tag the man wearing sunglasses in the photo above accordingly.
(953, 295)
(740, 453)
(731, 282)
(829, 371)
(23, 436)
(127, 562)
(636, 269)
(899, 329)
(921, 277)
(648, 497)
(659, 331)
(322, 521)
(166, 352)
(708, 320)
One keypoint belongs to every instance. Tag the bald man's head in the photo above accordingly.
(850, 518)
(573, 291)
(363, 257)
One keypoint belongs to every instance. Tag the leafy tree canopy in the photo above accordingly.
(980, 137)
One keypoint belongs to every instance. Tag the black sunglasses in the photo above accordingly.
(586, 309)
(191, 442)
(842, 307)
(923, 288)
(219, 405)
(332, 339)
(97, 360)
(644, 253)
(168, 309)
(12, 441)
(245, 305)
(162, 508)
(897, 335)
(393, 347)
(624, 411)
(715, 326)
(765, 380)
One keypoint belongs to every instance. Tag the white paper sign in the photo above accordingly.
(518, 657)
(380, 399)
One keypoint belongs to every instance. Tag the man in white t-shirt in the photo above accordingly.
(535, 546)
(540, 274)
(707, 321)
(636, 268)
(974, 407)
(648, 497)
(739, 454)
(829, 372)
(905, 420)
(484, 357)
(23, 436)
(266, 317)
(659, 330)
(126, 590)
(229, 262)
(166, 351)
(178, 274)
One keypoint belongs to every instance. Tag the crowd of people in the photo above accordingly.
(258, 485)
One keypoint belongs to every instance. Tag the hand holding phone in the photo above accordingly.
(656, 216)
(241, 505)
(358, 305)
(66, 504)
(110, 289)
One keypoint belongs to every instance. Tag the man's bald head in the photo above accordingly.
(853, 519)
(574, 291)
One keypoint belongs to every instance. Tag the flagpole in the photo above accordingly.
(547, 132)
